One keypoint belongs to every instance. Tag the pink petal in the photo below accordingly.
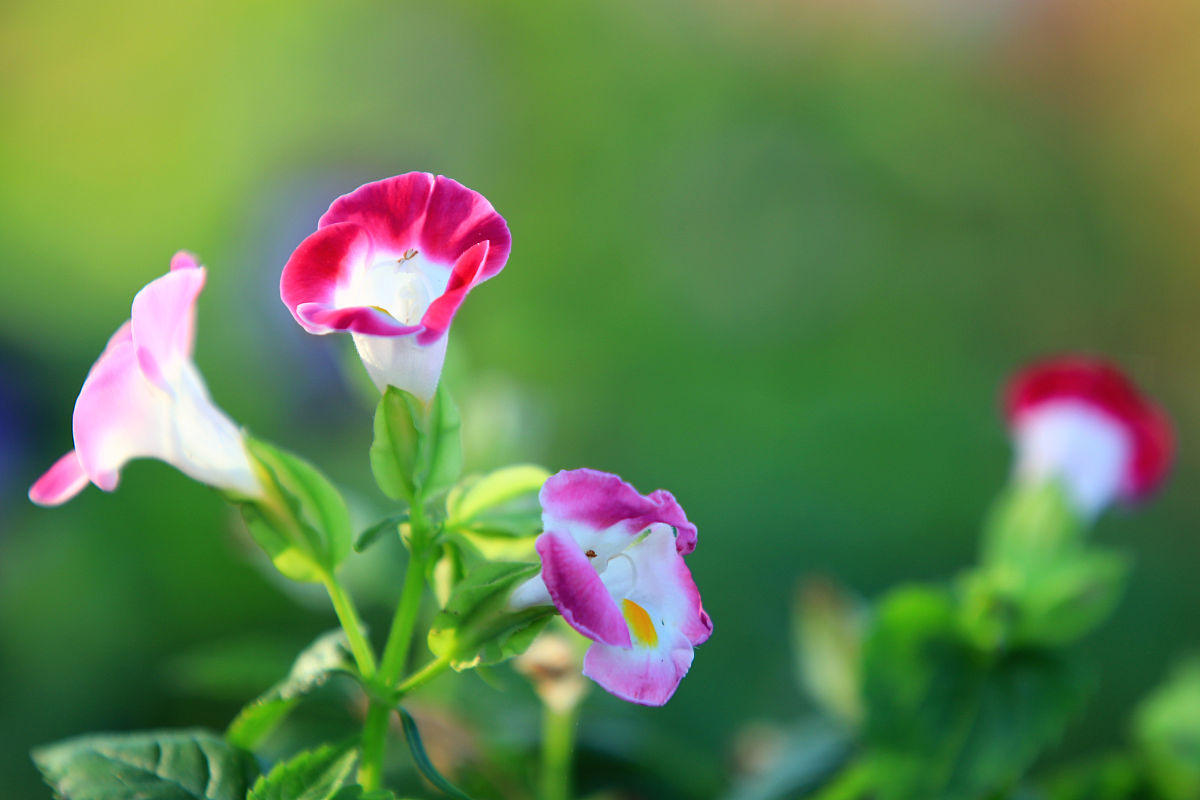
(118, 415)
(644, 675)
(458, 219)
(164, 320)
(61, 482)
(466, 273)
(184, 260)
(665, 589)
(391, 211)
(321, 263)
(578, 592)
(357, 319)
(601, 500)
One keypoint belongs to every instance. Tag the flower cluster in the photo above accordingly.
(391, 263)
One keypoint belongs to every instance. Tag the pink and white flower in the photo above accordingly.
(1081, 421)
(612, 563)
(145, 398)
(391, 262)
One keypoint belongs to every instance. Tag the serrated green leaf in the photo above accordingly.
(395, 450)
(327, 657)
(311, 775)
(946, 719)
(156, 765)
(304, 526)
(417, 749)
(494, 490)
(373, 533)
(477, 627)
(443, 456)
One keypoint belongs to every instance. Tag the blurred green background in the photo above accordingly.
(775, 256)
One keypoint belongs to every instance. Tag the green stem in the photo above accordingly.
(849, 785)
(395, 653)
(343, 606)
(558, 743)
(423, 676)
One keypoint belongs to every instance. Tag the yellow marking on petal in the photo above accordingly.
(639, 623)
(381, 308)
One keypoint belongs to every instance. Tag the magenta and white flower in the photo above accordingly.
(391, 262)
(145, 398)
(612, 563)
(1081, 421)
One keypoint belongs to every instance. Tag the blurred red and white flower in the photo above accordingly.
(391, 262)
(612, 563)
(1083, 422)
(145, 398)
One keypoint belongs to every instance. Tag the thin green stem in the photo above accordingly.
(343, 606)
(395, 653)
(851, 784)
(423, 676)
(558, 744)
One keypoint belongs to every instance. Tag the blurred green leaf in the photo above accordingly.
(1030, 524)
(357, 793)
(477, 627)
(309, 535)
(1114, 778)
(1167, 729)
(827, 633)
(311, 775)
(399, 419)
(945, 719)
(417, 749)
(466, 503)
(328, 656)
(157, 765)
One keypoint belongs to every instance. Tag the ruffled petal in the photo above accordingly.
(61, 482)
(391, 210)
(466, 273)
(586, 502)
(357, 319)
(458, 219)
(578, 592)
(644, 675)
(163, 322)
(322, 263)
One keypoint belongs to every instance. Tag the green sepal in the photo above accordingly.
(312, 775)
(328, 656)
(1031, 523)
(156, 765)
(477, 627)
(420, 758)
(946, 718)
(1167, 730)
(302, 522)
(445, 571)
(417, 450)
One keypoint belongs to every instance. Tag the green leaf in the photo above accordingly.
(946, 719)
(443, 454)
(477, 627)
(157, 765)
(328, 656)
(1061, 603)
(304, 527)
(311, 775)
(372, 534)
(1167, 729)
(421, 759)
(357, 793)
(1115, 777)
(399, 423)
(466, 504)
